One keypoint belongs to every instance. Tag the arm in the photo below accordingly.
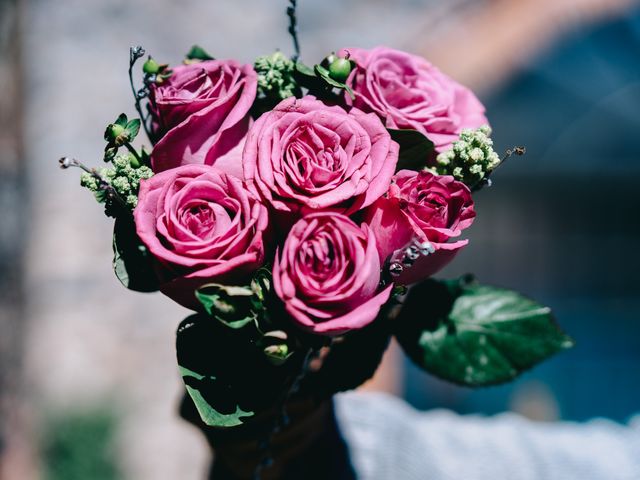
(389, 439)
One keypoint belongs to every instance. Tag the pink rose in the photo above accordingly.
(328, 274)
(421, 207)
(305, 155)
(407, 92)
(202, 226)
(202, 111)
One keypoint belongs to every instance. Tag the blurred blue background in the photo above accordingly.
(562, 224)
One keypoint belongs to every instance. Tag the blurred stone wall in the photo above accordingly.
(90, 341)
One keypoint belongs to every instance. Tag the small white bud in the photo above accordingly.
(476, 154)
(486, 129)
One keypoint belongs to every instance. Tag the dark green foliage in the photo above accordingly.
(231, 305)
(352, 360)
(415, 149)
(476, 335)
(227, 375)
(326, 77)
(132, 262)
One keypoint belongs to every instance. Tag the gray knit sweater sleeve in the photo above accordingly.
(389, 440)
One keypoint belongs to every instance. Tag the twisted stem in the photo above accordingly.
(112, 193)
(293, 28)
(135, 53)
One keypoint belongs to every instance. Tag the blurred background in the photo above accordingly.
(88, 381)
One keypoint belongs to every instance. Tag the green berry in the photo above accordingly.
(340, 69)
(151, 67)
(329, 59)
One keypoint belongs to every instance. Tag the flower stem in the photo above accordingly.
(486, 181)
(66, 162)
(134, 54)
(293, 28)
(134, 152)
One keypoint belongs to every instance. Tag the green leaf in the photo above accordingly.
(121, 120)
(100, 196)
(415, 149)
(133, 127)
(185, 372)
(198, 53)
(145, 156)
(303, 69)
(209, 415)
(324, 74)
(227, 376)
(231, 305)
(350, 92)
(476, 335)
(131, 260)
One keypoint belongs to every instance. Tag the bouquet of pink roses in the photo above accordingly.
(301, 212)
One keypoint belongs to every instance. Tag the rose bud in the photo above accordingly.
(416, 220)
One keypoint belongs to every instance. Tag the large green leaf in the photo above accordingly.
(476, 335)
(415, 149)
(227, 376)
(131, 260)
(209, 415)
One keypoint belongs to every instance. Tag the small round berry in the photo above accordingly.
(340, 69)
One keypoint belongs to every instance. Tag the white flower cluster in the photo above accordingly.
(470, 159)
(124, 177)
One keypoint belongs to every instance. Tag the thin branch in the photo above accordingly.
(486, 181)
(508, 154)
(136, 53)
(293, 28)
(133, 151)
(67, 162)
